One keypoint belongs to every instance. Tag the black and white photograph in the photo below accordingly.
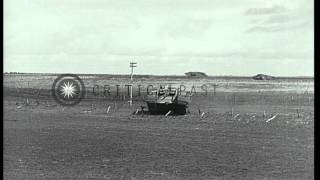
(158, 90)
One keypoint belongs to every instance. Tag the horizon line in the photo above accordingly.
(168, 75)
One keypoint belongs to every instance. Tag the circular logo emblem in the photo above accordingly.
(68, 89)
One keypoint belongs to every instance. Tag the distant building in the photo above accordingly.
(196, 74)
(263, 77)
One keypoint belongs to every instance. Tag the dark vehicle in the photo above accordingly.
(263, 77)
(165, 100)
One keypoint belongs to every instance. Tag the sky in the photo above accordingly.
(165, 37)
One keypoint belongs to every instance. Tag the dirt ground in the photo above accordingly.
(43, 140)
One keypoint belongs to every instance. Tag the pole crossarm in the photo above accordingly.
(133, 64)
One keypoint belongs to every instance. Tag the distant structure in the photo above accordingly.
(263, 77)
(12, 73)
(196, 74)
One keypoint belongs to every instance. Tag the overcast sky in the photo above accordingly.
(231, 37)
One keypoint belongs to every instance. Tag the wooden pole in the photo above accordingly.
(132, 65)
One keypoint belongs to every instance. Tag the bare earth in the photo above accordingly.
(43, 140)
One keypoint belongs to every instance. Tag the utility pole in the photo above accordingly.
(132, 65)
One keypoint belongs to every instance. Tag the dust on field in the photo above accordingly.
(231, 135)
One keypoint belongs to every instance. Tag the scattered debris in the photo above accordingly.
(27, 102)
(273, 117)
(87, 111)
(236, 116)
(108, 109)
(169, 112)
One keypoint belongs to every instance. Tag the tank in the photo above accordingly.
(165, 100)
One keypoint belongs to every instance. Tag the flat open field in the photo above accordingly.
(248, 130)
